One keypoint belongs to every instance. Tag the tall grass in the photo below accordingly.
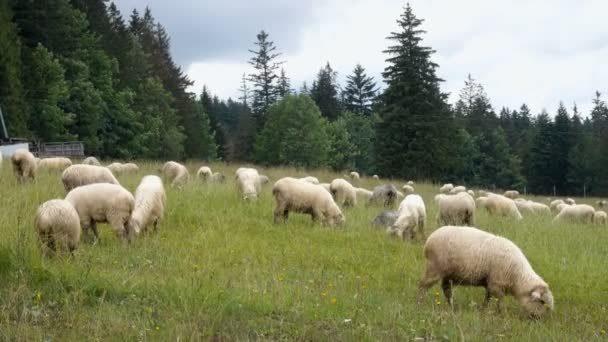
(218, 268)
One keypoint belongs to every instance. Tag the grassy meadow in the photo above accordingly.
(220, 269)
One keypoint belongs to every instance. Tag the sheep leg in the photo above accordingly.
(429, 279)
(95, 232)
(156, 225)
(446, 285)
(279, 213)
(497, 293)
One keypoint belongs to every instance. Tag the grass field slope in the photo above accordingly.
(218, 268)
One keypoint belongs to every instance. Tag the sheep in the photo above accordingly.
(176, 172)
(116, 168)
(263, 179)
(456, 209)
(310, 179)
(502, 206)
(560, 207)
(446, 188)
(458, 189)
(56, 163)
(600, 204)
(385, 218)
(539, 208)
(58, 226)
(408, 189)
(204, 173)
(327, 187)
(103, 202)
(553, 205)
(249, 183)
(376, 177)
(292, 194)
(531, 207)
(385, 194)
(37, 161)
(482, 193)
(570, 201)
(471, 192)
(364, 193)
(150, 199)
(24, 165)
(119, 168)
(91, 161)
(411, 220)
(577, 213)
(354, 176)
(410, 183)
(344, 193)
(218, 177)
(80, 174)
(600, 217)
(512, 194)
(400, 195)
(469, 256)
(480, 202)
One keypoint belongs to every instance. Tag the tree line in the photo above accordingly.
(76, 69)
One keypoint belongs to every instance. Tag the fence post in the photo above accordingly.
(584, 190)
(553, 190)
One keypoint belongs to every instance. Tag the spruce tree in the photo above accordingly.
(539, 178)
(284, 86)
(360, 92)
(324, 92)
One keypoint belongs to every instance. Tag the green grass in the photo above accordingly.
(219, 269)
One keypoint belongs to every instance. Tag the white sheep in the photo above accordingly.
(55, 163)
(91, 161)
(385, 194)
(500, 205)
(570, 201)
(177, 173)
(354, 176)
(119, 168)
(103, 202)
(263, 179)
(531, 207)
(408, 189)
(150, 199)
(458, 189)
(292, 194)
(204, 173)
(480, 202)
(24, 165)
(469, 256)
(539, 208)
(554, 204)
(366, 194)
(446, 188)
(218, 177)
(410, 182)
(344, 193)
(249, 183)
(512, 194)
(58, 226)
(577, 213)
(471, 192)
(80, 174)
(456, 209)
(376, 177)
(600, 203)
(115, 167)
(411, 220)
(310, 179)
(327, 187)
(600, 217)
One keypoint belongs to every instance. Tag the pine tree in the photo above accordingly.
(244, 90)
(473, 109)
(360, 92)
(560, 148)
(540, 181)
(284, 86)
(324, 92)
(415, 121)
(265, 89)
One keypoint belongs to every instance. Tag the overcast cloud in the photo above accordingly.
(537, 52)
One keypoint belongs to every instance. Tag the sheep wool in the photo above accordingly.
(249, 183)
(569, 201)
(310, 179)
(55, 163)
(177, 173)
(512, 194)
(58, 226)
(366, 194)
(411, 220)
(263, 179)
(354, 176)
(458, 189)
(204, 173)
(577, 213)
(91, 161)
(469, 256)
(385, 195)
(344, 193)
(600, 217)
(456, 209)
(601, 203)
(500, 205)
(292, 194)
(24, 165)
(150, 199)
(480, 202)
(80, 174)
(554, 205)
(385, 218)
(408, 189)
(446, 188)
(376, 177)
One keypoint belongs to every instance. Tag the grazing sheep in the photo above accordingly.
(292, 194)
(119, 168)
(115, 167)
(58, 226)
(458, 189)
(480, 202)
(469, 256)
(456, 209)
(601, 203)
(577, 213)
(376, 177)
(531, 207)
(500, 205)
(103, 202)
(150, 199)
(570, 201)
(554, 204)
(263, 179)
(471, 192)
(218, 177)
(176, 172)
(411, 220)
(512, 194)
(366, 194)
(482, 193)
(446, 188)
(400, 195)
(344, 193)
(204, 173)
(600, 217)
(408, 189)
(410, 182)
(91, 161)
(539, 208)
(386, 218)
(80, 174)
(56, 163)
(354, 176)
(310, 179)
(24, 165)
(249, 183)
(385, 194)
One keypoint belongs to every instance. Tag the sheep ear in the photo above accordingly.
(535, 295)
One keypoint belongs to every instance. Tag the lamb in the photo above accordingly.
(363, 193)
(386, 218)
(384, 194)
(446, 188)
(376, 177)
(512, 194)
(150, 199)
(408, 189)
(249, 183)
(411, 220)
(176, 172)
(502, 206)
(354, 176)
(577, 213)
(469, 256)
(344, 193)
(600, 217)
(58, 226)
(56, 163)
(103, 202)
(292, 194)
(458, 189)
(456, 209)
(310, 179)
(553, 205)
(24, 165)
(80, 174)
(91, 161)
(204, 173)
(569, 201)
(263, 179)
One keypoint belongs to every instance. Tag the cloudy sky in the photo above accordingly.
(532, 51)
